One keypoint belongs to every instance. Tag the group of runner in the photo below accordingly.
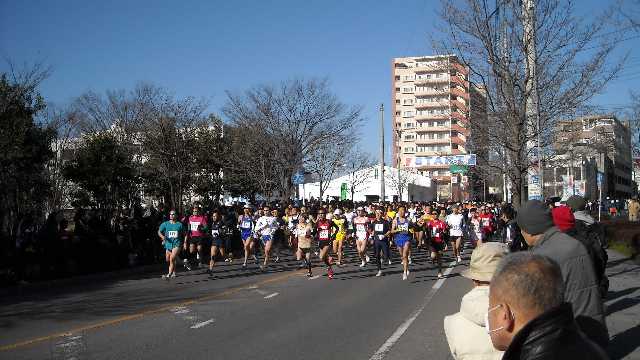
(324, 232)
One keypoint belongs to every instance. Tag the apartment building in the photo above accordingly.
(430, 118)
(591, 144)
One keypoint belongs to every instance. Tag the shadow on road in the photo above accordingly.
(624, 343)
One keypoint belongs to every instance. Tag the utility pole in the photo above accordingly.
(382, 197)
(531, 85)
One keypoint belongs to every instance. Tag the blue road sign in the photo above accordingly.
(297, 178)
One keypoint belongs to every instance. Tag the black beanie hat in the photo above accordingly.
(576, 202)
(534, 217)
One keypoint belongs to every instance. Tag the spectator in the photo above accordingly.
(527, 317)
(634, 209)
(565, 221)
(511, 234)
(465, 330)
(581, 286)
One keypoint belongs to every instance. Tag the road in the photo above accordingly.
(239, 314)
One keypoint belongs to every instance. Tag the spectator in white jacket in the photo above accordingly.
(465, 330)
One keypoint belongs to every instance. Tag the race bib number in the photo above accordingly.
(246, 224)
(379, 227)
(435, 232)
(485, 222)
(172, 234)
(215, 233)
(403, 227)
(360, 228)
(194, 226)
(324, 234)
(380, 237)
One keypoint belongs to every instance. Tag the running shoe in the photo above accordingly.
(210, 271)
(379, 273)
(309, 274)
(227, 260)
(244, 265)
(389, 261)
(459, 259)
(330, 273)
(187, 266)
(439, 275)
(165, 276)
(409, 260)
(261, 267)
(277, 259)
(404, 276)
(367, 258)
(173, 275)
(407, 272)
(362, 264)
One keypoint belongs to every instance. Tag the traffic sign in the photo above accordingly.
(600, 178)
(297, 178)
(458, 168)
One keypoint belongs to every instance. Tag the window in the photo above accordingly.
(397, 89)
(397, 101)
(439, 75)
(407, 102)
(409, 149)
(407, 114)
(397, 113)
(407, 89)
(409, 137)
(397, 77)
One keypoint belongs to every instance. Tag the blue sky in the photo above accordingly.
(202, 48)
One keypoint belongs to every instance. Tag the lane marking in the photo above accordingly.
(202, 324)
(272, 295)
(142, 314)
(384, 349)
(181, 310)
(261, 292)
(314, 277)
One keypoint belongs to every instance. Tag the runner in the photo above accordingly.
(381, 229)
(278, 234)
(292, 219)
(266, 226)
(246, 225)
(325, 231)
(341, 223)
(196, 238)
(361, 224)
(488, 221)
(437, 229)
(170, 233)
(455, 221)
(476, 235)
(402, 238)
(217, 242)
(303, 232)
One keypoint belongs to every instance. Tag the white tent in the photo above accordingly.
(366, 186)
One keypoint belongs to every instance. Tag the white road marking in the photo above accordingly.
(261, 292)
(314, 277)
(272, 295)
(181, 310)
(384, 349)
(202, 324)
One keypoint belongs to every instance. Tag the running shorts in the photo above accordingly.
(401, 240)
(245, 235)
(217, 241)
(266, 238)
(196, 240)
(170, 244)
(324, 243)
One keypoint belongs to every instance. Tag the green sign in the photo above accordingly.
(458, 169)
(343, 191)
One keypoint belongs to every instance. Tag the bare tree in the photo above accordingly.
(360, 167)
(400, 180)
(325, 161)
(572, 59)
(299, 115)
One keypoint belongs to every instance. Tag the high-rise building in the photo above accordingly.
(431, 117)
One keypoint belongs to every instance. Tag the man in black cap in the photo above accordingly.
(581, 286)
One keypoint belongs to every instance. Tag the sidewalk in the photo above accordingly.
(623, 307)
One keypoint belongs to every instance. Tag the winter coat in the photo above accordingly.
(518, 243)
(466, 334)
(553, 335)
(581, 285)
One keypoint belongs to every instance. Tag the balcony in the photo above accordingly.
(431, 68)
(460, 81)
(458, 116)
(460, 129)
(460, 105)
(430, 92)
(432, 141)
(458, 140)
(460, 68)
(421, 129)
(432, 117)
(431, 105)
(459, 92)
(434, 80)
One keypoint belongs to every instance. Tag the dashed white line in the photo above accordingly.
(202, 324)
(314, 277)
(384, 349)
(272, 295)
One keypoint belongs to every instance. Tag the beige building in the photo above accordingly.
(430, 118)
(590, 144)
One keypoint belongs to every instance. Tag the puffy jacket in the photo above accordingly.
(466, 334)
(581, 286)
(553, 335)
(518, 243)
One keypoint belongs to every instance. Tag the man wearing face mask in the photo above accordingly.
(527, 316)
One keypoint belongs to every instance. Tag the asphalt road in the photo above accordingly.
(239, 314)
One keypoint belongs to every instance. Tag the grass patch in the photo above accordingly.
(624, 248)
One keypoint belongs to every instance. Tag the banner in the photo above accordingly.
(343, 191)
(469, 159)
(535, 190)
(568, 186)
